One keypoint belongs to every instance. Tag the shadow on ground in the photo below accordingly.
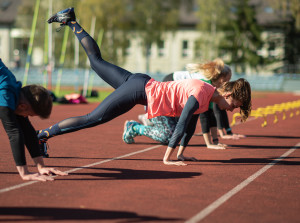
(31, 214)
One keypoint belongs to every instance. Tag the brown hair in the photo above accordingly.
(212, 70)
(39, 99)
(241, 91)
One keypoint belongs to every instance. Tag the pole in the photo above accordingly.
(45, 58)
(50, 51)
(29, 52)
(62, 60)
(76, 62)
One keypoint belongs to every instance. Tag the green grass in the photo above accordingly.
(102, 94)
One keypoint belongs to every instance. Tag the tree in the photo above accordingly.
(231, 30)
(242, 36)
(151, 19)
(213, 16)
(121, 20)
(289, 10)
(125, 19)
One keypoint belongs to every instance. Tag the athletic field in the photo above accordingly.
(257, 179)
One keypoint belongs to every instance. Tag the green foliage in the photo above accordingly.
(151, 19)
(242, 36)
(241, 33)
(289, 10)
(121, 20)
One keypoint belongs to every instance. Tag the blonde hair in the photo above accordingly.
(241, 91)
(212, 70)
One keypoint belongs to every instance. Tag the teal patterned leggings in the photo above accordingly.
(161, 131)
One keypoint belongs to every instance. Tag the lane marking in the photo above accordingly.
(217, 203)
(80, 168)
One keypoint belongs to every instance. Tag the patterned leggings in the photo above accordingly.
(161, 131)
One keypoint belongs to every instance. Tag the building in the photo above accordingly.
(173, 53)
(8, 13)
(178, 49)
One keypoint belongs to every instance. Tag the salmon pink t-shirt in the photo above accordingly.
(169, 98)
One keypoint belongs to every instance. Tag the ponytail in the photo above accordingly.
(212, 70)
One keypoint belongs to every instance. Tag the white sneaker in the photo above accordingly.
(143, 119)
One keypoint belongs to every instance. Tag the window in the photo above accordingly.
(127, 48)
(148, 50)
(268, 10)
(184, 48)
(161, 48)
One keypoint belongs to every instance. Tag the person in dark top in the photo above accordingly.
(16, 104)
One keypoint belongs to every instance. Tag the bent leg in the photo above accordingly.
(110, 73)
(117, 103)
(161, 131)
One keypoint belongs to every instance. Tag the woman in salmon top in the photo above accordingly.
(178, 98)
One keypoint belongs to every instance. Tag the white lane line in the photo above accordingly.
(213, 206)
(80, 168)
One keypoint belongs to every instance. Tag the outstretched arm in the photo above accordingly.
(31, 142)
(190, 107)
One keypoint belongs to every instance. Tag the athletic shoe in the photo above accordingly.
(129, 133)
(63, 16)
(44, 148)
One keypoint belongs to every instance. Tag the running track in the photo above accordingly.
(256, 179)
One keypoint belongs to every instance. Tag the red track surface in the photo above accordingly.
(140, 188)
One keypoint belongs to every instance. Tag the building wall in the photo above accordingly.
(178, 50)
(174, 56)
(4, 45)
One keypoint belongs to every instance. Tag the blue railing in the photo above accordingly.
(72, 77)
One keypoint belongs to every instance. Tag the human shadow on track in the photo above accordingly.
(262, 147)
(272, 136)
(132, 174)
(31, 214)
(248, 146)
(250, 161)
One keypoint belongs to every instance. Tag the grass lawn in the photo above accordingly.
(102, 94)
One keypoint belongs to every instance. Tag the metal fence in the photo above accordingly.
(75, 78)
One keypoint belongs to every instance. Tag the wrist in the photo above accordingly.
(215, 141)
(23, 170)
(39, 162)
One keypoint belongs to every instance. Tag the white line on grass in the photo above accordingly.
(217, 203)
(80, 168)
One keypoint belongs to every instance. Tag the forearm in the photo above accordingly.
(39, 162)
(14, 133)
(184, 121)
(180, 150)
(167, 158)
(30, 137)
(190, 131)
(168, 154)
(23, 171)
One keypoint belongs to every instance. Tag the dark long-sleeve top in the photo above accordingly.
(19, 129)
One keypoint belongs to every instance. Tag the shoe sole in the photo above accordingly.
(125, 130)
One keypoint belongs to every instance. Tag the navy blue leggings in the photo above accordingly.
(130, 90)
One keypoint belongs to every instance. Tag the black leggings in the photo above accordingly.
(130, 90)
(222, 117)
(207, 120)
(168, 77)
